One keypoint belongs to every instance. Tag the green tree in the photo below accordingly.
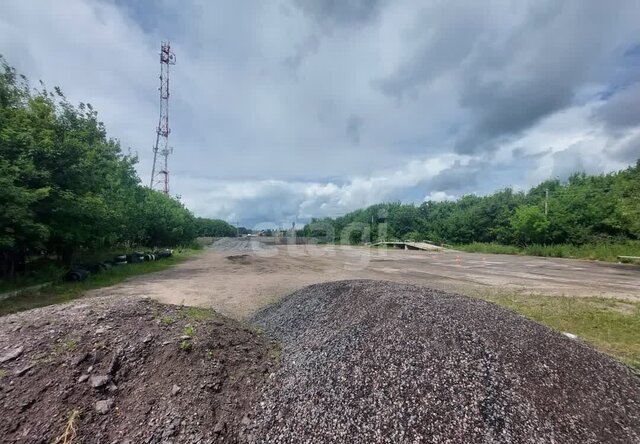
(530, 225)
(65, 185)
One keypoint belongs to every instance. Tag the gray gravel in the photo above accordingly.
(238, 244)
(369, 361)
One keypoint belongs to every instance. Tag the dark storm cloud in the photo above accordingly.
(354, 123)
(443, 37)
(622, 110)
(502, 110)
(628, 151)
(456, 177)
(507, 83)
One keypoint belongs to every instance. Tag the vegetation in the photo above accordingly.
(199, 313)
(609, 325)
(586, 216)
(70, 432)
(214, 228)
(66, 187)
(186, 345)
(61, 292)
(188, 330)
(606, 251)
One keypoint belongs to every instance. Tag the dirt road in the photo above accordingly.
(238, 281)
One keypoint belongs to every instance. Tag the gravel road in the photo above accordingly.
(372, 361)
(237, 277)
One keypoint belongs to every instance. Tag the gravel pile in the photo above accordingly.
(369, 361)
(238, 245)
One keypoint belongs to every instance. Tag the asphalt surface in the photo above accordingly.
(370, 361)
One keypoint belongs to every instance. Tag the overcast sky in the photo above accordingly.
(287, 109)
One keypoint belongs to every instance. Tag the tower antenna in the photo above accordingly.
(167, 58)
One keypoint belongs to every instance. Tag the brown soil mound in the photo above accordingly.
(132, 371)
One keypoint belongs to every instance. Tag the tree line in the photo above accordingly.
(583, 209)
(65, 185)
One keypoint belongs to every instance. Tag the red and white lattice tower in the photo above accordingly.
(167, 58)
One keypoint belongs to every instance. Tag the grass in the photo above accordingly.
(47, 271)
(199, 313)
(491, 247)
(600, 251)
(70, 345)
(188, 330)
(167, 320)
(610, 326)
(186, 345)
(67, 291)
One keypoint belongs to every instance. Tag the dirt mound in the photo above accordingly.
(132, 371)
(371, 361)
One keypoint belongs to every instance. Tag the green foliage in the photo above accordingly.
(604, 251)
(529, 225)
(188, 330)
(214, 228)
(602, 210)
(199, 313)
(167, 320)
(65, 185)
(490, 248)
(186, 345)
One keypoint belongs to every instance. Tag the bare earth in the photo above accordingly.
(237, 282)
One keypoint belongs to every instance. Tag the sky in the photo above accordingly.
(290, 109)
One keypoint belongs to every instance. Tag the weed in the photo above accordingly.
(167, 320)
(3, 373)
(68, 345)
(71, 429)
(186, 345)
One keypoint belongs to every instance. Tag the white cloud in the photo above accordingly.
(281, 113)
(439, 196)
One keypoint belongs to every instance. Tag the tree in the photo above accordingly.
(628, 205)
(530, 225)
(214, 228)
(65, 185)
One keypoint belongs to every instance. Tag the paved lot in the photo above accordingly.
(238, 281)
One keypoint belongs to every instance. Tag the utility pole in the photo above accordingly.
(167, 58)
(546, 201)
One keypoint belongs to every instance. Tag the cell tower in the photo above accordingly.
(167, 58)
